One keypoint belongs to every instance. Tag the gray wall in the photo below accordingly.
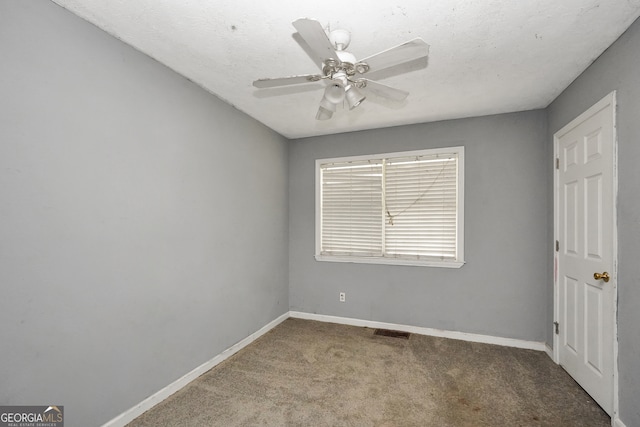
(617, 69)
(143, 222)
(500, 291)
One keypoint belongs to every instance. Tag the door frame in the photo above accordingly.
(609, 99)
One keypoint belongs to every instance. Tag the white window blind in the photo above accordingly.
(398, 208)
(420, 194)
(352, 208)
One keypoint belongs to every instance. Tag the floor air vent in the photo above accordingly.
(392, 334)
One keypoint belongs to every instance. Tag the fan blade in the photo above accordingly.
(385, 91)
(406, 52)
(313, 34)
(285, 81)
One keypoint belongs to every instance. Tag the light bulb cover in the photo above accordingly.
(334, 93)
(354, 97)
(323, 113)
(327, 105)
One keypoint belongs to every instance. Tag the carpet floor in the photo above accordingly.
(307, 373)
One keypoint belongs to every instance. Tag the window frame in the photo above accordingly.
(459, 260)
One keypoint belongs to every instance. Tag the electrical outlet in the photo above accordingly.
(343, 297)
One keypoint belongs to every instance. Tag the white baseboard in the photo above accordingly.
(549, 351)
(617, 423)
(151, 401)
(464, 336)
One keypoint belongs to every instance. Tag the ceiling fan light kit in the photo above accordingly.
(343, 71)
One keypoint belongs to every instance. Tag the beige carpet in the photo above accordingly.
(306, 373)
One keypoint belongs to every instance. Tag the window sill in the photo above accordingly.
(391, 261)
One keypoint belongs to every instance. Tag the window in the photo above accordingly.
(398, 208)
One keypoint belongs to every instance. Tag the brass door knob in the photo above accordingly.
(604, 276)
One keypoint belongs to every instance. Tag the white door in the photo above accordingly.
(586, 276)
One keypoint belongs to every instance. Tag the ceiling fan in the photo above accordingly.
(343, 73)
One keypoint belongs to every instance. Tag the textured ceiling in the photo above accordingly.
(485, 57)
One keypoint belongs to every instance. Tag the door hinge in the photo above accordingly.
(557, 325)
(557, 162)
(557, 246)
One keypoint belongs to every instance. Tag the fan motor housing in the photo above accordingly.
(345, 56)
